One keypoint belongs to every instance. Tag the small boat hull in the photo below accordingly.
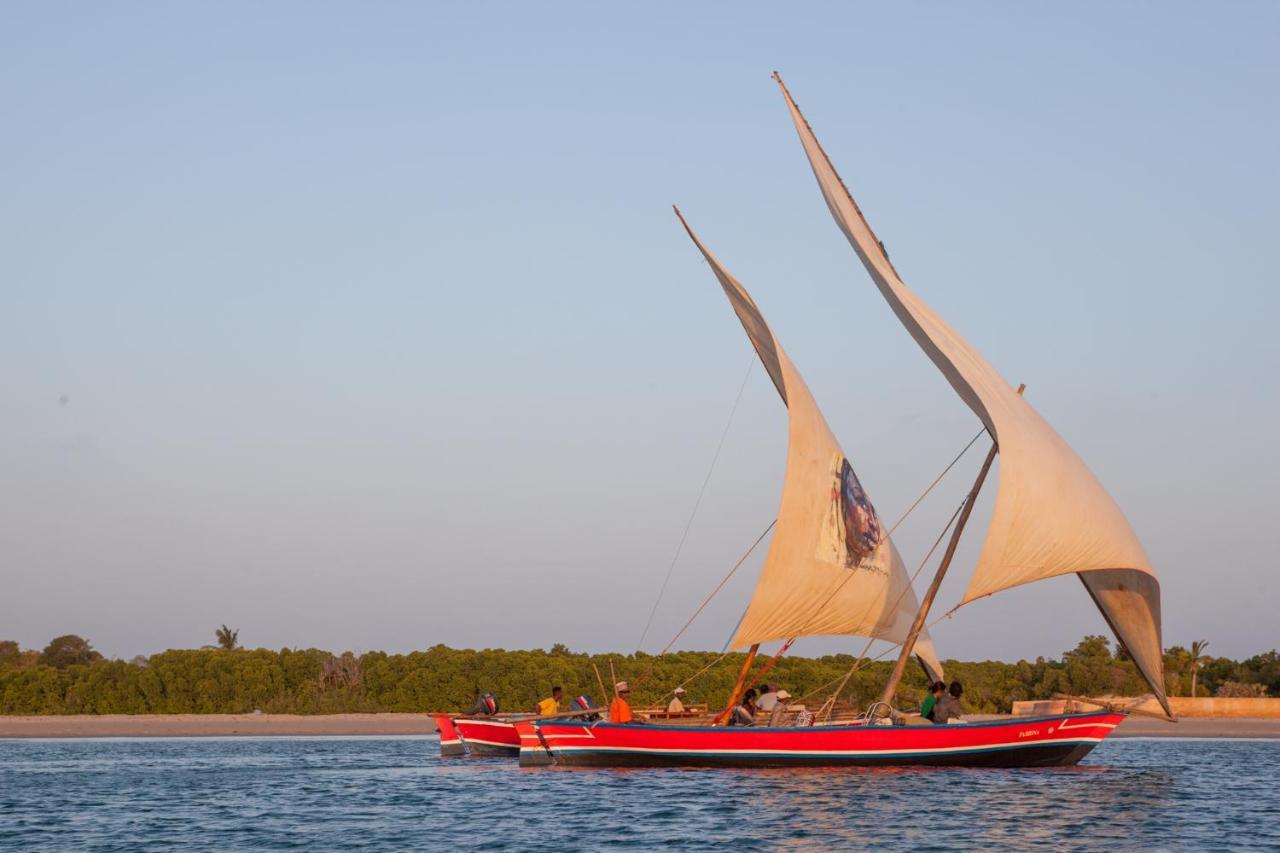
(489, 737)
(1058, 741)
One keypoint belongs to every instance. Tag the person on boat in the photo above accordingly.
(778, 715)
(936, 690)
(768, 699)
(486, 706)
(551, 705)
(744, 713)
(948, 707)
(620, 707)
(676, 705)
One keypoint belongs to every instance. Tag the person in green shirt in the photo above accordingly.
(935, 693)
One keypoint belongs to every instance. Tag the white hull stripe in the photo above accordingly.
(494, 743)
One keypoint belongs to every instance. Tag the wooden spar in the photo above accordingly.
(613, 676)
(771, 661)
(1108, 705)
(600, 681)
(567, 715)
(737, 688)
(909, 644)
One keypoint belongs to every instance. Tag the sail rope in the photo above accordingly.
(903, 517)
(861, 659)
(719, 587)
(725, 651)
(938, 480)
(697, 503)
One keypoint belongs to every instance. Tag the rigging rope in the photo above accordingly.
(826, 707)
(702, 491)
(719, 587)
(724, 652)
(944, 473)
(849, 576)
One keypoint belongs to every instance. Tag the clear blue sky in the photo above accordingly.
(369, 326)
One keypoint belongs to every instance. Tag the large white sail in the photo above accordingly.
(832, 567)
(1052, 516)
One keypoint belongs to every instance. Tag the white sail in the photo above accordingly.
(1052, 516)
(832, 567)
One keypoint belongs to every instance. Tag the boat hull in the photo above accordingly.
(489, 737)
(1036, 742)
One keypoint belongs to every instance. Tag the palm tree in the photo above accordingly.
(227, 638)
(1197, 655)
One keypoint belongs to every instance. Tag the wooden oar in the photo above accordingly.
(604, 694)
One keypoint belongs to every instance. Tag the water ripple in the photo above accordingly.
(396, 793)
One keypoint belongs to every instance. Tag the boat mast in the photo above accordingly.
(917, 626)
(737, 688)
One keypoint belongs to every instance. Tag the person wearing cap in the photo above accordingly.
(676, 705)
(619, 708)
(779, 712)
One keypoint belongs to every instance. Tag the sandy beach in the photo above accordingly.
(243, 725)
(214, 725)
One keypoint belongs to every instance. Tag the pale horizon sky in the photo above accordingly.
(371, 327)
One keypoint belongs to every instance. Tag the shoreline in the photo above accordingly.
(214, 725)
(375, 725)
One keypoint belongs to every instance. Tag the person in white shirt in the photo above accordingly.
(779, 714)
(768, 699)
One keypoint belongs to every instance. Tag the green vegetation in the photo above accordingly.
(69, 677)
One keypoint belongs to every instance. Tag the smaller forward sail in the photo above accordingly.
(1052, 516)
(832, 567)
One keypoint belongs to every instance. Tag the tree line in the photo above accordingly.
(70, 677)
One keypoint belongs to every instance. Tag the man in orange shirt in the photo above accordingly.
(619, 710)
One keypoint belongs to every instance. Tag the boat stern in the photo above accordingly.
(450, 740)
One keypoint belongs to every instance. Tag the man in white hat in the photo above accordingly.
(676, 706)
(619, 708)
(778, 716)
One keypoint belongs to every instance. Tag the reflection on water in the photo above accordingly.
(397, 793)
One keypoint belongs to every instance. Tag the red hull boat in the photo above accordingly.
(460, 735)
(1058, 741)
(489, 737)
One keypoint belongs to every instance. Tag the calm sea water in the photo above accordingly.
(397, 793)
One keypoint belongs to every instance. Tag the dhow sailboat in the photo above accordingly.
(832, 567)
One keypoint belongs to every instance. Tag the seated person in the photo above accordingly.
(948, 707)
(936, 690)
(550, 705)
(620, 707)
(778, 716)
(676, 705)
(768, 699)
(744, 713)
